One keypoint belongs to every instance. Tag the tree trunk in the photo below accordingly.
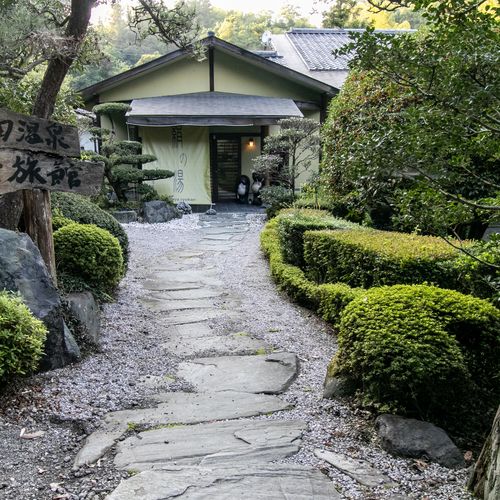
(485, 480)
(11, 209)
(37, 213)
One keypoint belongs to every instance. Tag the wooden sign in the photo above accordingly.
(35, 134)
(27, 170)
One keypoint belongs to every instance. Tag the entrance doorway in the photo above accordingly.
(226, 166)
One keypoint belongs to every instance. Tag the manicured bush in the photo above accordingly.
(88, 252)
(294, 223)
(333, 299)
(421, 350)
(22, 337)
(59, 221)
(289, 278)
(374, 258)
(82, 210)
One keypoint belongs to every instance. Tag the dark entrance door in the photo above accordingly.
(226, 167)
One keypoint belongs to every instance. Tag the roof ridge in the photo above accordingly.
(343, 30)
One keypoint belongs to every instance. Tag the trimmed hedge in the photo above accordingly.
(376, 258)
(294, 223)
(82, 210)
(421, 350)
(328, 300)
(90, 253)
(22, 337)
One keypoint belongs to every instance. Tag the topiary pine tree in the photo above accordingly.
(123, 159)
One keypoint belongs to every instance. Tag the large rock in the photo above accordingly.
(85, 309)
(157, 211)
(125, 216)
(23, 270)
(412, 438)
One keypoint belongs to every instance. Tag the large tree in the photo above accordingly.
(436, 116)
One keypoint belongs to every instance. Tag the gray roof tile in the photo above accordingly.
(315, 46)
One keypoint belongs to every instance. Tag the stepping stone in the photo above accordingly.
(163, 305)
(234, 442)
(195, 316)
(218, 237)
(268, 374)
(180, 276)
(197, 293)
(236, 343)
(168, 286)
(194, 330)
(264, 482)
(359, 470)
(177, 408)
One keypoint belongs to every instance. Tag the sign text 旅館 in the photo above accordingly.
(40, 154)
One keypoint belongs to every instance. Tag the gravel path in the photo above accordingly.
(68, 404)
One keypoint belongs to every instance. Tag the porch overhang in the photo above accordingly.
(210, 109)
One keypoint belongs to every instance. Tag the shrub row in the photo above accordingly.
(376, 258)
(328, 300)
(293, 223)
(414, 349)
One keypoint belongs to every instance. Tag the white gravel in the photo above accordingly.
(68, 403)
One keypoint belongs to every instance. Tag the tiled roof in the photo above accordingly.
(315, 46)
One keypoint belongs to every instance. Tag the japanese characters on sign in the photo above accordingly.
(36, 154)
(27, 170)
(35, 134)
(177, 143)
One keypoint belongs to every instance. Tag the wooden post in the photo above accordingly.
(38, 224)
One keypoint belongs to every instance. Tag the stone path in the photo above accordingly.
(205, 443)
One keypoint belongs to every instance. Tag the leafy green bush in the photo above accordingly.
(275, 198)
(421, 350)
(59, 221)
(294, 223)
(333, 298)
(22, 337)
(82, 210)
(374, 258)
(88, 252)
(479, 270)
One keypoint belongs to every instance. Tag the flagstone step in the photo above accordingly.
(268, 374)
(176, 408)
(229, 443)
(263, 482)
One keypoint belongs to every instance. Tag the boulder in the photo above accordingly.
(338, 387)
(125, 216)
(412, 438)
(23, 270)
(158, 211)
(184, 207)
(85, 310)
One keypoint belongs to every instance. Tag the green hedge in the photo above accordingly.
(89, 253)
(82, 210)
(421, 350)
(375, 258)
(294, 223)
(328, 300)
(22, 337)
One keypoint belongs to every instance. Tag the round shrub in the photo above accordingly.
(421, 350)
(59, 221)
(82, 210)
(22, 337)
(90, 253)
